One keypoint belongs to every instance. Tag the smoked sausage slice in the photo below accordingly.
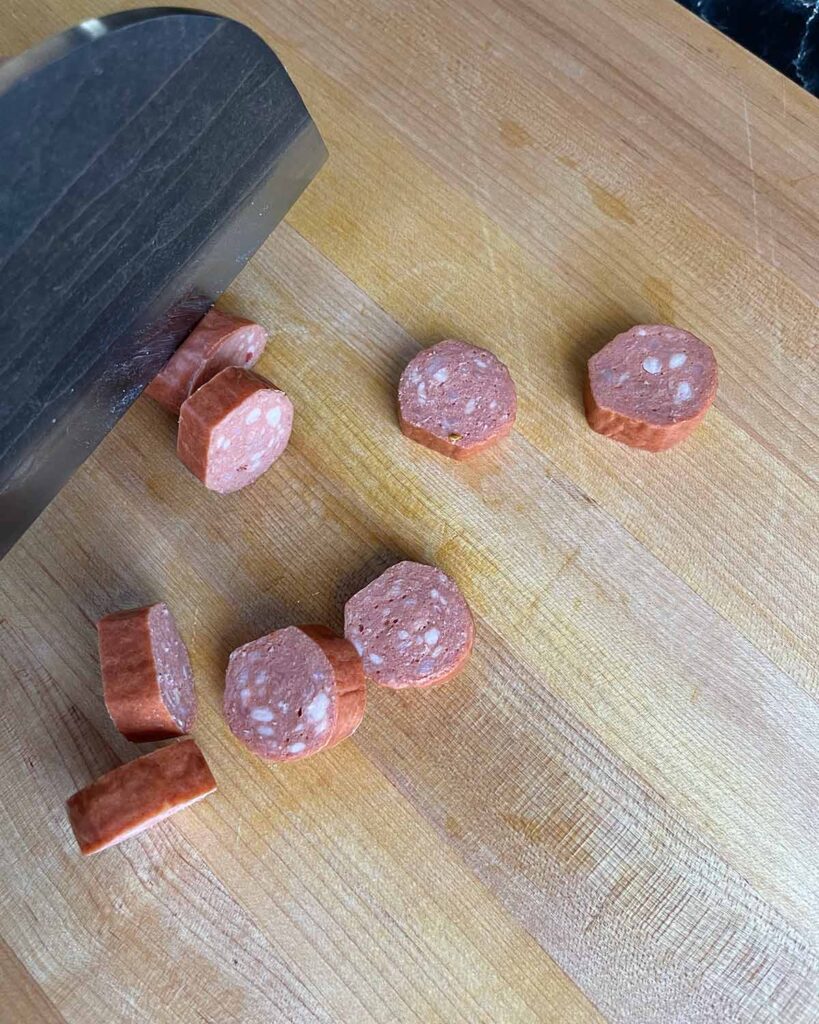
(294, 692)
(137, 795)
(233, 429)
(650, 386)
(146, 674)
(411, 626)
(456, 398)
(218, 341)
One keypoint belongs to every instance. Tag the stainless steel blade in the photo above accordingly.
(146, 156)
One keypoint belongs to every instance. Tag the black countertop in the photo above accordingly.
(785, 33)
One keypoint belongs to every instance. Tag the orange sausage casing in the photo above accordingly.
(137, 795)
(146, 675)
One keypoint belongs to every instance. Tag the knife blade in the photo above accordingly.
(146, 156)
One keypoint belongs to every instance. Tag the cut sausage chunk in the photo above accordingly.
(411, 626)
(456, 399)
(137, 795)
(650, 386)
(146, 675)
(294, 692)
(233, 428)
(218, 341)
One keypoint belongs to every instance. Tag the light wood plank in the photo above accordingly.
(683, 740)
(427, 256)
(665, 681)
(18, 989)
(312, 894)
(612, 813)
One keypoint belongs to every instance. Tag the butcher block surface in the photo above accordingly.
(613, 813)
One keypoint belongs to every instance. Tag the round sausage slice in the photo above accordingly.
(233, 429)
(218, 341)
(456, 399)
(137, 795)
(650, 386)
(146, 675)
(411, 626)
(294, 692)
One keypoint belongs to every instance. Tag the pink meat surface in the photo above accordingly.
(233, 429)
(456, 398)
(294, 692)
(411, 626)
(650, 386)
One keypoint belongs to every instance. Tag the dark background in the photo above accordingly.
(785, 33)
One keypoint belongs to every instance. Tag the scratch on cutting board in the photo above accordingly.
(195, 626)
(478, 195)
(511, 292)
(451, 275)
(753, 174)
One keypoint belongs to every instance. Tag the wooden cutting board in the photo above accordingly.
(613, 813)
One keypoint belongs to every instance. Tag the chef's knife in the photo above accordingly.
(145, 157)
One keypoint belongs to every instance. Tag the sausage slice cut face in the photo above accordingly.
(218, 341)
(650, 386)
(146, 674)
(233, 429)
(137, 795)
(294, 692)
(456, 399)
(411, 626)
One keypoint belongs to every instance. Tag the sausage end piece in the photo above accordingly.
(138, 795)
(146, 674)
